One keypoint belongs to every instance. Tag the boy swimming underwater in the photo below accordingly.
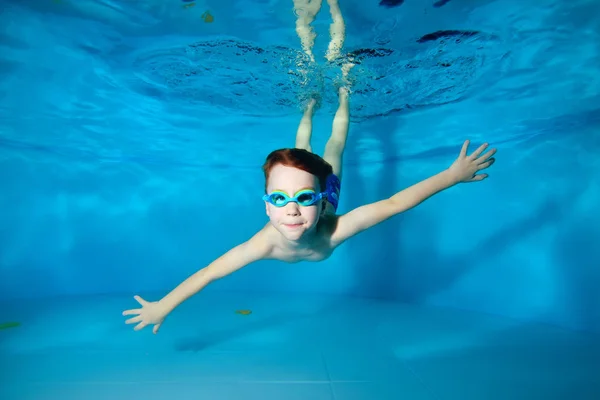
(302, 193)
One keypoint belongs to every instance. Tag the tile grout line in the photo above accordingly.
(322, 382)
(331, 389)
(421, 380)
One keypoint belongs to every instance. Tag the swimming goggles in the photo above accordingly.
(306, 197)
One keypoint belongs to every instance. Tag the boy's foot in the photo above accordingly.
(312, 104)
(343, 94)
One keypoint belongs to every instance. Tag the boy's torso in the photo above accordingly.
(319, 249)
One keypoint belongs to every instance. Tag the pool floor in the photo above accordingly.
(289, 347)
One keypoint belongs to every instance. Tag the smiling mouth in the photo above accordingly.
(293, 225)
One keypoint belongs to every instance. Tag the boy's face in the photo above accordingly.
(293, 220)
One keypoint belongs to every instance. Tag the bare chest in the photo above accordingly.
(293, 255)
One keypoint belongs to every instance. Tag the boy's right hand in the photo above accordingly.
(151, 313)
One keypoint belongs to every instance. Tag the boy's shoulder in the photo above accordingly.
(265, 237)
(328, 224)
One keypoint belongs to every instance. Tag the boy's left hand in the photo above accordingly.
(465, 168)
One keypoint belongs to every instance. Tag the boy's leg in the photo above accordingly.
(305, 11)
(337, 31)
(305, 128)
(334, 149)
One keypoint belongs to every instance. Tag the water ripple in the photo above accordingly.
(244, 77)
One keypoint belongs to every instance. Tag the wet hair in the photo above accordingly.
(301, 159)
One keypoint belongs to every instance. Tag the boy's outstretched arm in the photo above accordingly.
(464, 169)
(153, 313)
(254, 249)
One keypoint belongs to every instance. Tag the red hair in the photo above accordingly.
(301, 159)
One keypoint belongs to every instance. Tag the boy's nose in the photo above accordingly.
(292, 208)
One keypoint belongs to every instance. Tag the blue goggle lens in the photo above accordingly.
(304, 198)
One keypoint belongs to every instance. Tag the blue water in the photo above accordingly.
(131, 139)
